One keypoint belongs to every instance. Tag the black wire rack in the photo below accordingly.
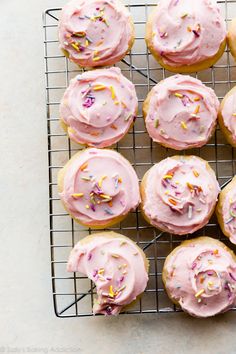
(73, 293)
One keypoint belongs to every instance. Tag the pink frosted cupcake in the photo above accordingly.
(95, 32)
(200, 276)
(99, 107)
(181, 112)
(226, 210)
(117, 266)
(98, 187)
(179, 194)
(186, 36)
(227, 116)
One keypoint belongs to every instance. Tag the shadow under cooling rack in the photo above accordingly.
(73, 293)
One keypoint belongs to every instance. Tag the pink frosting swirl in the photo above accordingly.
(99, 187)
(99, 107)
(229, 212)
(187, 32)
(116, 266)
(180, 194)
(95, 32)
(182, 112)
(201, 276)
(228, 114)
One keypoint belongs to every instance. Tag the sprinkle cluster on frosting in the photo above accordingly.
(228, 113)
(182, 112)
(187, 32)
(99, 186)
(95, 32)
(180, 194)
(116, 266)
(99, 107)
(201, 276)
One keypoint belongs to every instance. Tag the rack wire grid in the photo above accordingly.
(73, 294)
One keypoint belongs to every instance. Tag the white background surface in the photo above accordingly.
(26, 312)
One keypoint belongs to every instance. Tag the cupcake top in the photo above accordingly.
(98, 107)
(99, 186)
(181, 112)
(180, 194)
(95, 32)
(187, 32)
(229, 211)
(201, 276)
(228, 113)
(116, 266)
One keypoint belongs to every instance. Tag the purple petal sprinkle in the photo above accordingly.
(196, 33)
(89, 101)
(92, 206)
(89, 256)
(95, 272)
(210, 273)
(185, 100)
(163, 182)
(122, 278)
(194, 265)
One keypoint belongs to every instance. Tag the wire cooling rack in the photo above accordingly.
(73, 294)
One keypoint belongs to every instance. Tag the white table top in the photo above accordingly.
(27, 317)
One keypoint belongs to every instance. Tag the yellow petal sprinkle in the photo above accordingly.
(189, 29)
(99, 87)
(189, 185)
(179, 95)
(168, 177)
(196, 174)
(87, 206)
(116, 102)
(196, 99)
(183, 125)
(234, 114)
(101, 271)
(75, 47)
(77, 195)
(113, 95)
(199, 293)
(115, 255)
(111, 292)
(101, 180)
(105, 196)
(197, 109)
(215, 251)
(96, 59)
